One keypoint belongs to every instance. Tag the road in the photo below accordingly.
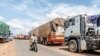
(22, 48)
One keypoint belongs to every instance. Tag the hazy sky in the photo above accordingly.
(23, 15)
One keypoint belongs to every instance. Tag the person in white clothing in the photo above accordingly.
(33, 39)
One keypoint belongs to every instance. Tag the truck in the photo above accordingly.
(4, 32)
(80, 35)
(95, 19)
(51, 32)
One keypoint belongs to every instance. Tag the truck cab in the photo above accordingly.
(98, 26)
(80, 34)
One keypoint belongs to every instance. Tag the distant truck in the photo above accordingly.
(4, 32)
(80, 34)
(20, 36)
(51, 32)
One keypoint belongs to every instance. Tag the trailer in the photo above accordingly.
(4, 32)
(50, 32)
(80, 34)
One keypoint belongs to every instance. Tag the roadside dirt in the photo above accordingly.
(8, 49)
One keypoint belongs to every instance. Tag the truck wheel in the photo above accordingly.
(46, 43)
(43, 42)
(72, 46)
(91, 50)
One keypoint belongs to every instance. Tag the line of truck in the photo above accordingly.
(79, 33)
(22, 36)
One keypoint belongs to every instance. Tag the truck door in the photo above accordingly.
(73, 27)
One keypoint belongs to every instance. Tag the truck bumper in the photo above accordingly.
(58, 41)
(3, 40)
(93, 44)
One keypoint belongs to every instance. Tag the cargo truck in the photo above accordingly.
(80, 34)
(4, 32)
(50, 32)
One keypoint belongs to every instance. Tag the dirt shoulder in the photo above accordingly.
(8, 49)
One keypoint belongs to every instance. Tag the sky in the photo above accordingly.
(24, 15)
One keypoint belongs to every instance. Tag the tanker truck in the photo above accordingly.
(80, 34)
(51, 32)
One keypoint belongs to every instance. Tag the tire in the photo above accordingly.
(43, 42)
(36, 49)
(46, 43)
(91, 50)
(31, 47)
(73, 46)
(40, 42)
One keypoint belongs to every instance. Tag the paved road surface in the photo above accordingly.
(23, 50)
(22, 47)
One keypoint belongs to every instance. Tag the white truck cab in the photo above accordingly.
(80, 34)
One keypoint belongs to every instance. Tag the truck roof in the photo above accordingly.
(95, 19)
(55, 20)
(71, 17)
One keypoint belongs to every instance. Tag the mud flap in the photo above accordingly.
(83, 45)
